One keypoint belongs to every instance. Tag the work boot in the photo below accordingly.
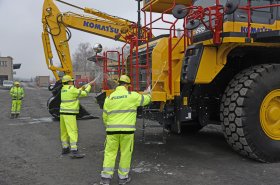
(124, 181)
(105, 181)
(75, 154)
(17, 115)
(65, 151)
(12, 116)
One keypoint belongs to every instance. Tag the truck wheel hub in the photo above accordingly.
(270, 115)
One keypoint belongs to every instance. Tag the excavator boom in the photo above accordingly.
(56, 25)
(93, 25)
(56, 28)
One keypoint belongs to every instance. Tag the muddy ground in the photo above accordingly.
(30, 153)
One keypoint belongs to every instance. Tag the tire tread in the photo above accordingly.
(232, 111)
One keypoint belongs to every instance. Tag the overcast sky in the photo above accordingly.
(21, 27)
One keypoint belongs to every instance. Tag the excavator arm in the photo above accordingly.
(58, 32)
(56, 28)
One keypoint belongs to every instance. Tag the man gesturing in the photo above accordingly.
(119, 116)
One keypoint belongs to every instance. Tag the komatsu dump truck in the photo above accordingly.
(224, 69)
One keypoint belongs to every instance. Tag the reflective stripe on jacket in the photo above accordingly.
(120, 109)
(69, 98)
(17, 93)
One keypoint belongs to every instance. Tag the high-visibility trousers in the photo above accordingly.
(68, 131)
(113, 142)
(16, 106)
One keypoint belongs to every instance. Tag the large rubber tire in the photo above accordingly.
(240, 112)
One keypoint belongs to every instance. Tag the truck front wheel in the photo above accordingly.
(250, 113)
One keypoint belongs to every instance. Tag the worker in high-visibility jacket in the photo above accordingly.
(119, 117)
(69, 108)
(17, 94)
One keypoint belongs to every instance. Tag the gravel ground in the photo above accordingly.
(30, 153)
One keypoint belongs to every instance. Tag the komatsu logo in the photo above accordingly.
(101, 27)
(244, 29)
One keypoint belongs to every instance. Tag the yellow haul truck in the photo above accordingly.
(226, 70)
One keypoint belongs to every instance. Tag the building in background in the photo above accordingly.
(42, 81)
(7, 69)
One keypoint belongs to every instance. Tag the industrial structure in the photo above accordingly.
(223, 69)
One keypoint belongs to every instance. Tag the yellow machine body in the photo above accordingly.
(214, 58)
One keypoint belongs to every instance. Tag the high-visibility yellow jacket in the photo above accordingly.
(70, 103)
(17, 93)
(120, 109)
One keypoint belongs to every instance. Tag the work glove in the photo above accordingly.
(84, 87)
(147, 91)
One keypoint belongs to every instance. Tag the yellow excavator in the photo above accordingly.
(56, 26)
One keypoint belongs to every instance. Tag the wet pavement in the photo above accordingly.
(30, 153)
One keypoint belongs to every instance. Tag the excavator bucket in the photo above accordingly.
(54, 101)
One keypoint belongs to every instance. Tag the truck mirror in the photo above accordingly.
(192, 24)
(180, 11)
(231, 6)
(97, 48)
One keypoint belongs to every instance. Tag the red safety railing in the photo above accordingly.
(249, 10)
(212, 14)
(211, 17)
(99, 61)
(110, 67)
(216, 14)
(135, 67)
(148, 9)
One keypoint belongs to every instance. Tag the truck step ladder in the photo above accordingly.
(152, 131)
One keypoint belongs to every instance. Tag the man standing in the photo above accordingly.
(119, 116)
(17, 94)
(69, 108)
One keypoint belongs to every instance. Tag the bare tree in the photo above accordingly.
(114, 55)
(80, 62)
